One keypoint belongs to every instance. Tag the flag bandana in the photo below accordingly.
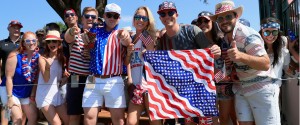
(180, 83)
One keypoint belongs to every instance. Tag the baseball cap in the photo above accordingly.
(112, 7)
(15, 22)
(205, 14)
(166, 5)
(68, 11)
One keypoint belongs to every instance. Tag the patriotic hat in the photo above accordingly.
(53, 35)
(167, 5)
(205, 14)
(226, 6)
(14, 23)
(68, 11)
(112, 7)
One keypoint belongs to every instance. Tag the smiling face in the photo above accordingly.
(111, 19)
(88, 19)
(204, 24)
(71, 19)
(168, 17)
(269, 35)
(30, 41)
(140, 20)
(226, 21)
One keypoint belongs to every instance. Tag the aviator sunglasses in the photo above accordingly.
(69, 14)
(228, 17)
(139, 17)
(170, 13)
(273, 32)
(110, 15)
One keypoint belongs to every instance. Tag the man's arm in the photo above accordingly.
(255, 62)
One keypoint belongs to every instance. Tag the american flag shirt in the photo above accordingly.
(250, 42)
(106, 56)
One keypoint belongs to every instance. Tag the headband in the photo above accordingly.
(270, 25)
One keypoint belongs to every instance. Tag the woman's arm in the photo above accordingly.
(10, 69)
(44, 66)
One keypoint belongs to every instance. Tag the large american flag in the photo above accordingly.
(180, 83)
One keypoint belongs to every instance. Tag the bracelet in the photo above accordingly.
(9, 96)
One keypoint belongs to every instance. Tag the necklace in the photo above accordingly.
(30, 69)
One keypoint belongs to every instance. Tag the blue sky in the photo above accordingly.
(34, 14)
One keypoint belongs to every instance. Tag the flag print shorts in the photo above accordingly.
(224, 91)
(138, 94)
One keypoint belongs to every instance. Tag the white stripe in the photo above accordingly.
(172, 88)
(196, 79)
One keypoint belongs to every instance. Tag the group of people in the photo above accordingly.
(79, 71)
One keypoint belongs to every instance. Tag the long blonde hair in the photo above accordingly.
(151, 26)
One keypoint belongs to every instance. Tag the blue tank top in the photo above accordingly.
(19, 79)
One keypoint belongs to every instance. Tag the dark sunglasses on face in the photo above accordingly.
(170, 13)
(51, 41)
(69, 14)
(228, 17)
(273, 32)
(139, 17)
(27, 41)
(110, 15)
(87, 16)
(203, 21)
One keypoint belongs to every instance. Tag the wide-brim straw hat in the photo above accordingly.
(226, 6)
(53, 35)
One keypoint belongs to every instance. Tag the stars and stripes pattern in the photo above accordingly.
(112, 61)
(180, 83)
(146, 38)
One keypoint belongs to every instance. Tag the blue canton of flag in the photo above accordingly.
(180, 83)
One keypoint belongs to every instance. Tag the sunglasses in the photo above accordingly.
(110, 15)
(206, 21)
(87, 16)
(228, 17)
(27, 41)
(273, 32)
(139, 17)
(51, 41)
(69, 14)
(170, 13)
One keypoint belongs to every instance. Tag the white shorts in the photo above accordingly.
(261, 107)
(17, 101)
(109, 89)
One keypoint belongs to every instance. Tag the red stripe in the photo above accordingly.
(166, 95)
(52, 36)
(183, 58)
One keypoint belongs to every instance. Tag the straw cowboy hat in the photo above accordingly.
(53, 35)
(226, 6)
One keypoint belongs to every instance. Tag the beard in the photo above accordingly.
(227, 29)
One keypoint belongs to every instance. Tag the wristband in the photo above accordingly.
(9, 96)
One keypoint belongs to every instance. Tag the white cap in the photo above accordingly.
(112, 7)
